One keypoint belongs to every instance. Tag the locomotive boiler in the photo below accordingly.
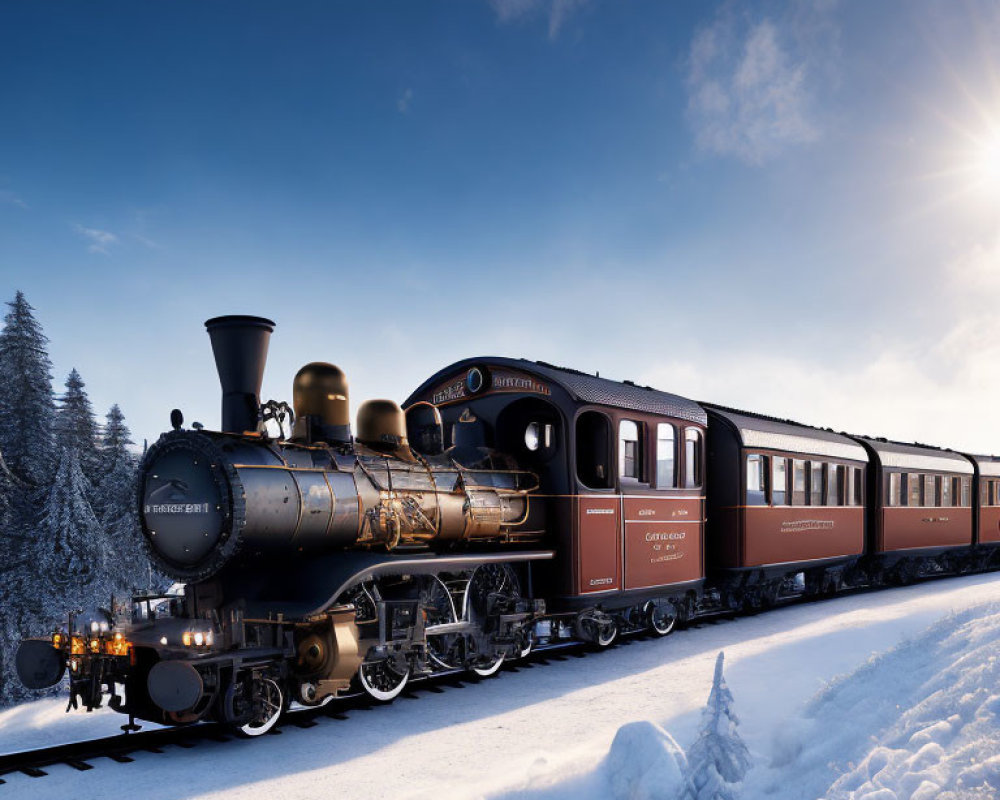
(208, 499)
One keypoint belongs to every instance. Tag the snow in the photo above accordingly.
(876, 696)
(645, 763)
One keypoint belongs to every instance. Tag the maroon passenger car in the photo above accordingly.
(986, 490)
(921, 501)
(783, 498)
(621, 470)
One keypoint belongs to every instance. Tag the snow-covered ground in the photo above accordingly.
(920, 711)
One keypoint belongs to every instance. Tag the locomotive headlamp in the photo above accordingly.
(197, 638)
(117, 645)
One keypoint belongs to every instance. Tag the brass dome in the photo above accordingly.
(320, 399)
(382, 424)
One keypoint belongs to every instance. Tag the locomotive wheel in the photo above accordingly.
(268, 705)
(381, 681)
(602, 634)
(606, 634)
(438, 608)
(661, 622)
(490, 670)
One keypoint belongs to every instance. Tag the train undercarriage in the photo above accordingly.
(174, 668)
(388, 629)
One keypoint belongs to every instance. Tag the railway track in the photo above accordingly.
(123, 748)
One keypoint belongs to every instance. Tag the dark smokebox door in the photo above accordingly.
(39, 664)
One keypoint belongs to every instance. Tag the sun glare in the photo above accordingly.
(989, 162)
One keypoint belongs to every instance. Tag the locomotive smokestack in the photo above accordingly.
(240, 346)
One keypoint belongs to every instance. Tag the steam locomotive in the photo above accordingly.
(511, 503)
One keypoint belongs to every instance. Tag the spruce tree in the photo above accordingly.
(72, 559)
(10, 541)
(119, 516)
(27, 409)
(27, 414)
(76, 429)
(718, 760)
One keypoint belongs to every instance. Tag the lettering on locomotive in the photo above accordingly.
(178, 508)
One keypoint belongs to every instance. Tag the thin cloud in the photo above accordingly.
(146, 242)
(556, 11)
(99, 241)
(752, 84)
(8, 198)
(404, 100)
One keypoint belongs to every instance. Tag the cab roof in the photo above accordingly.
(583, 388)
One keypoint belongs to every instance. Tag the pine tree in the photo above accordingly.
(9, 486)
(26, 405)
(76, 429)
(13, 566)
(118, 516)
(27, 414)
(718, 760)
(72, 560)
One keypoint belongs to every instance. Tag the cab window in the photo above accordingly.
(692, 458)
(666, 463)
(629, 450)
(593, 450)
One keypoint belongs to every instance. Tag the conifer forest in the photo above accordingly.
(69, 530)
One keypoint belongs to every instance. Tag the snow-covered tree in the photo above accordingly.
(76, 429)
(9, 487)
(27, 409)
(72, 560)
(118, 514)
(718, 760)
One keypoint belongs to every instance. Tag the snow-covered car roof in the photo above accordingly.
(988, 465)
(918, 457)
(768, 433)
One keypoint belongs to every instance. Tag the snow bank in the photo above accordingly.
(645, 763)
(920, 721)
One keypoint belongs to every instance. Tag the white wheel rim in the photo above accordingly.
(527, 648)
(383, 695)
(664, 625)
(492, 669)
(606, 634)
(259, 730)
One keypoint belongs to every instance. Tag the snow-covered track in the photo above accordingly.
(121, 748)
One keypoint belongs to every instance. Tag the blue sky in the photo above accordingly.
(788, 208)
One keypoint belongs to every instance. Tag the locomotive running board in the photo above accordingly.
(314, 584)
